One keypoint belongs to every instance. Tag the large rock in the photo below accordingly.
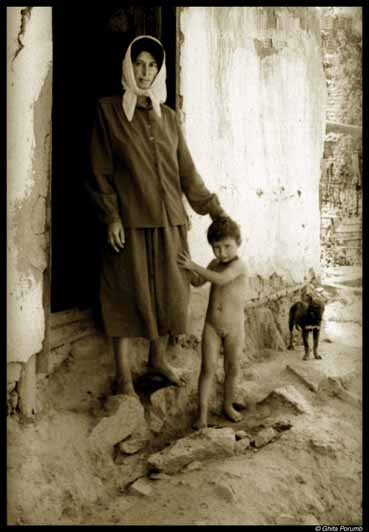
(135, 442)
(332, 387)
(156, 423)
(202, 445)
(142, 486)
(174, 405)
(125, 416)
(265, 436)
(324, 446)
(129, 468)
(248, 394)
(307, 374)
(288, 396)
(243, 445)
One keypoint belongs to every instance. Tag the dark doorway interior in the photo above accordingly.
(88, 47)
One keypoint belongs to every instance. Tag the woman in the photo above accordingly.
(141, 167)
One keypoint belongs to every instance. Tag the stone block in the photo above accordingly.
(241, 434)
(133, 444)
(130, 468)
(246, 395)
(242, 445)
(175, 405)
(158, 401)
(307, 374)
(324, 446)
(141, 486)
(205, 444)
(288, 396)
(332, 387)
(265, 436)
(125, 415)
(155, 423)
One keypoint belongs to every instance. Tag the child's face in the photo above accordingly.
(225, 249)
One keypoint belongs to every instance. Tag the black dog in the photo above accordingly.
(307, 315)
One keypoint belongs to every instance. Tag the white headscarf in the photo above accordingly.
(157, 92)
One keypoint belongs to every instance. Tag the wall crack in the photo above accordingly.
(26, 15)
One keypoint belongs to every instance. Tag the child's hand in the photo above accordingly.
(184, 261)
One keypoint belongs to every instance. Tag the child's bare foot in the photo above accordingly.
(232, 414)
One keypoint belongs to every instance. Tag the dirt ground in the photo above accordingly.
(310, 474)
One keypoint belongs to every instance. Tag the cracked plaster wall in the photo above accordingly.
(29, 86)
(252, 92)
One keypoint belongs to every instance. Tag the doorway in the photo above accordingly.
(88, 47)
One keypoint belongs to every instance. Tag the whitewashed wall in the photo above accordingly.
(29, 63)
(254, 96)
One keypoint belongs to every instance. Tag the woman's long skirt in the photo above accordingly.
(143, 291)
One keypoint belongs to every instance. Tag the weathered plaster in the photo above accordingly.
(25, 14)
(29, 76)
(254, 121)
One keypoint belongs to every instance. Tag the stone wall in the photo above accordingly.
(253, 107)
(251, 90)
(29, 85)
(341, 182)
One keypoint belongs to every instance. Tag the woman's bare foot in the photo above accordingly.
(232, 414)
(120, 386)
(199, 424)
(168, 372)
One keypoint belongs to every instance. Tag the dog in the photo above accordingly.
(307, 315)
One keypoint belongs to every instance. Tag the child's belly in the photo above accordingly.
(225, 319)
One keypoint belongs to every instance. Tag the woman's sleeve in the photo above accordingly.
(100, 184)
(199, 197)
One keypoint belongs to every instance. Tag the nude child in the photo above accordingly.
(224, 322)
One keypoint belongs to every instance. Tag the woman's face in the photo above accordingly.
(145, 69)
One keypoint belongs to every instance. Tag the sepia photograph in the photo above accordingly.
(184, 265)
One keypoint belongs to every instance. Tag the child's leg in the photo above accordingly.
(209, 352)
(233, 344)
(122, 366)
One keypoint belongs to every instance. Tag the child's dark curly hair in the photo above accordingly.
(224, 227)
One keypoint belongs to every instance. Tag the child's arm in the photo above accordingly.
(234, 270)
(196, 278)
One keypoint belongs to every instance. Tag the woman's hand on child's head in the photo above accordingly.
(184, 260)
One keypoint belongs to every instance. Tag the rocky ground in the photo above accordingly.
(295, 458)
